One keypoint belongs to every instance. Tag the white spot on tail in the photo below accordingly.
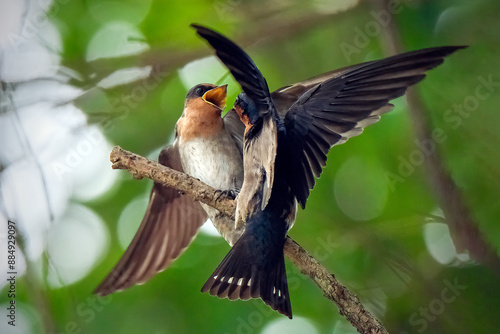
(249, 282)
(240, 281)
(230, 280)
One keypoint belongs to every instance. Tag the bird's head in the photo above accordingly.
(202, 111)
(208, 93)
(247, 109)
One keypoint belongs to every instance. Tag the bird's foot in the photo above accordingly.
(229, 193)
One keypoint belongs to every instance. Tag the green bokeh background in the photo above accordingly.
(383, 259)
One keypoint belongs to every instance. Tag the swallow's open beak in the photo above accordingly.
(217, 96)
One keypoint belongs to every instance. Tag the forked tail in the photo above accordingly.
(254, 268)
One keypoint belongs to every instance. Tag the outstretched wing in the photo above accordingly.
(241, 66)
(339, 108)
(169, 225)
(286, 96)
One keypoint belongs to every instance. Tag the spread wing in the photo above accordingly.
(169, 225)
(339, 108)
(286, 96)
(255, 87)
(241, 66)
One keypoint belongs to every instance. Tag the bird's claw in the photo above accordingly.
(231, 193)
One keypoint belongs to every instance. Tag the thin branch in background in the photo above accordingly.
(37, 293)
(23, 138)
(168, 60)
(464, 229)
(347, 303)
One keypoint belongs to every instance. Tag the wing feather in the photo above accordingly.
(332, 111)
(169, 225)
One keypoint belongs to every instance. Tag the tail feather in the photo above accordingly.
(244, 275)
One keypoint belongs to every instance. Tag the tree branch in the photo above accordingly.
(347, 303)
(168, 60)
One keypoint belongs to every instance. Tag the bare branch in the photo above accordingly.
(141, 167)
(347, 303)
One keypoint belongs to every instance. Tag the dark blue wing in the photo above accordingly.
(241, 66)
(339, 108)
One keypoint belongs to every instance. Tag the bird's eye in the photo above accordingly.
(199, 91)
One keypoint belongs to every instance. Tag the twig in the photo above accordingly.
(37, 293)
(348, 304)
(164, 61)
(464, 229)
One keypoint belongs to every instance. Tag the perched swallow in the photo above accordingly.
(287, 138)
(206, 147)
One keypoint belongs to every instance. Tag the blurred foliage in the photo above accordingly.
(384, 259)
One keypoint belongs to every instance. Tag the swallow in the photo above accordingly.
(206, 147)
(288, 135)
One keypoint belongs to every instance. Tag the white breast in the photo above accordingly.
(215, 161)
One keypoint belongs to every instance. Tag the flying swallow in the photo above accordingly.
(287, 137)
(206, 147)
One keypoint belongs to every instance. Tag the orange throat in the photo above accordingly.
(199, 119)
(243, 118)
